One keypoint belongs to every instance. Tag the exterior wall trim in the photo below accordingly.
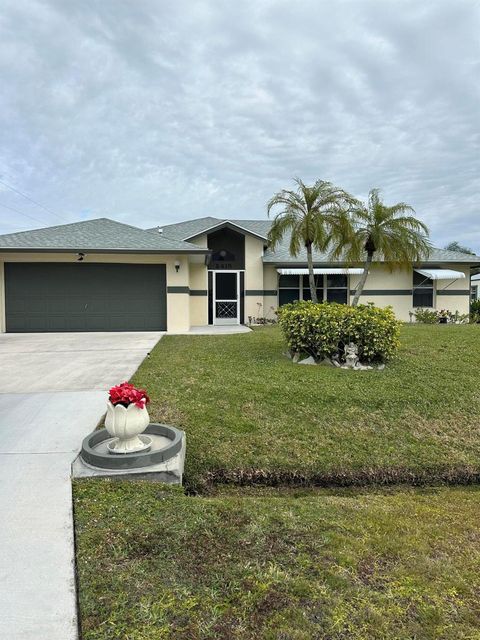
(261, 292)
(384, 292)
(198, 292)
(178, 290)
(409, 292)
(452, 292)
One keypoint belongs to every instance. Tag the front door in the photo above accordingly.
(226, 293)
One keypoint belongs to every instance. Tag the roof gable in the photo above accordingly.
(190, 229)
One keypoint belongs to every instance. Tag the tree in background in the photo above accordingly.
(455, 246)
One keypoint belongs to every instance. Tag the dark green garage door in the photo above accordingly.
(85, 297)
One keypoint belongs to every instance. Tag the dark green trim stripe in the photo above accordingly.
(178, 290)
(261, 292)
(384, 292)
(409, 292)
(198, 292)
(453, 292)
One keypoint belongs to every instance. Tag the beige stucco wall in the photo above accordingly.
(198, 303)
(381, 278)
(270, 283)
(254, 302)
(178, 304)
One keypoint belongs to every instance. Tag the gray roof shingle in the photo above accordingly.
(190, 228)
(282, 255)
(101, 234)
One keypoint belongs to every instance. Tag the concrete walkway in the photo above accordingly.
(212, 330)
(52, 394)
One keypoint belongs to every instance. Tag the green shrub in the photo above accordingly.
(323, 330)
(475, 311)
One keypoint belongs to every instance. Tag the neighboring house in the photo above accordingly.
(475, 287)
(101, 275)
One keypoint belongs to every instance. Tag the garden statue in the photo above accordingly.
(351, 355)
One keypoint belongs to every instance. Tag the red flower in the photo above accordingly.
(127, 394)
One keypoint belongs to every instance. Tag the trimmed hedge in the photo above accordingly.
(322, 330)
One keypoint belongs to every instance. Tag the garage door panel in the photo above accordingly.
(85, 297)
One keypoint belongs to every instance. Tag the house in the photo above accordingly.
(102, 275)
(475, 287)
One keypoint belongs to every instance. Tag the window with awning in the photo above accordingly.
(423, 283)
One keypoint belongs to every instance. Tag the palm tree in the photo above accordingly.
(399, 237)
(315, 216)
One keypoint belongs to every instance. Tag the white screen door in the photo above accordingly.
(226, 290)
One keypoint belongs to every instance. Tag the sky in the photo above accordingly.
(153, 111)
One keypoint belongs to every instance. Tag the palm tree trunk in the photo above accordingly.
(363, 279)
(311, 276)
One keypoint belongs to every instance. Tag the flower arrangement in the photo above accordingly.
(126, 394)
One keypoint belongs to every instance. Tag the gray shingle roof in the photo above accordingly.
(190, 228)
(282, 255)
(101, 234)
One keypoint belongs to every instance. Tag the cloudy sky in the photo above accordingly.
(157, 111)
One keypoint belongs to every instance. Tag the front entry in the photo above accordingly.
(226, 297)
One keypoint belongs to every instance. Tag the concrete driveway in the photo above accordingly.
(52, 394)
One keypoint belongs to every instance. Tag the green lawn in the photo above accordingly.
(261, 563)
(154, 564)
(250, 414)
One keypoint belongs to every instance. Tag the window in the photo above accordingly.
(422, 291)
(318, 285)
(337, 290)
(288, 289)
(331, 288)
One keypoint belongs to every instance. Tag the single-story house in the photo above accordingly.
(102, 275)
(475, 287)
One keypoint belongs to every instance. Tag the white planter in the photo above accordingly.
(126, 423)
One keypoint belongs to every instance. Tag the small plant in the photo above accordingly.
(430, 316)
(426, 316)
(253, 320)
(126, 394)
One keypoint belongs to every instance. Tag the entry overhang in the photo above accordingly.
(321, 271)
(441, 274)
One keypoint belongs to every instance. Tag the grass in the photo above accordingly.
(251, 415)
(273, 564)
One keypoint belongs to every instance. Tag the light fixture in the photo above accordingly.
(177, 265)
(81, 256)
